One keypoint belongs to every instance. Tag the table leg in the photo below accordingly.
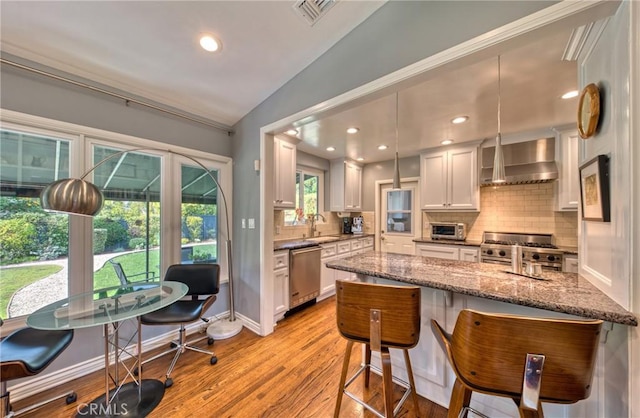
(134, 399)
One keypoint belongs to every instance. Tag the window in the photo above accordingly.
(29, 162)
(126, 232)
(155, 202)
(399, 211)
(309, 196)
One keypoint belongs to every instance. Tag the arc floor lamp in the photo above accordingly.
(81, 197)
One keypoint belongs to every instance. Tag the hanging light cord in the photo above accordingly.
(396, 124)
(499, 94)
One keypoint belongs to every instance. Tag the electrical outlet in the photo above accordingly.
(277, 229)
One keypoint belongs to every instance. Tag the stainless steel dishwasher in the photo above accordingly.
(304, 275)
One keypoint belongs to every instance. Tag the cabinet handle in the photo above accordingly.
(444, 204)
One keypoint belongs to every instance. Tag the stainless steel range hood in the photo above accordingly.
(524, 162)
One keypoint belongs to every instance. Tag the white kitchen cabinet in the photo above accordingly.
(449, 252)
(284, 182)
(469, 254)
(449, 180)
(438, 251)
(346, 186)
(327, 275)
(567, 190)
(280, 284)
(570, 263)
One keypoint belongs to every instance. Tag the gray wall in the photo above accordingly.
(396, 35)
(409, 167)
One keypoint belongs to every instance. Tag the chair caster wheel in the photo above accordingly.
(71, 398)
(173, 345)
(168, 383)
(214, 360)
(210, 341)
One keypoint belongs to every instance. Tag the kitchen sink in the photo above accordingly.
(322, 239)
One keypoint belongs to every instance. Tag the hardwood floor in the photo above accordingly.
(293, 372)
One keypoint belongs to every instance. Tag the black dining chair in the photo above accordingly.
(203, 281)
(27, 352)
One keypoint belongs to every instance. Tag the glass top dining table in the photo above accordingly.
(111, 307)
(105, 306)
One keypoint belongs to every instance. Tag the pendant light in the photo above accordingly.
(396, 168)
(498, 158)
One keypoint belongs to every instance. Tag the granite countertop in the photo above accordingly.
(292, 244)
(469, 243)
(563, 292)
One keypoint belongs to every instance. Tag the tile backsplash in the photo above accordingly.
(331, 226)
(515, 208)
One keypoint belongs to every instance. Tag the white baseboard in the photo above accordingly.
(34, 385)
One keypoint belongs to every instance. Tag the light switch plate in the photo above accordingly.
(244, 223)
(252, 223)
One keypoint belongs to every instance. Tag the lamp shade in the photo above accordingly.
(498, 162)
(72, 196)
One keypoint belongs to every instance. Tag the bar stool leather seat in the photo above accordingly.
(380, 317)
(530, 360)
(27, 352)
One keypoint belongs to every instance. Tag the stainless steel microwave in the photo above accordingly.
(448, 230)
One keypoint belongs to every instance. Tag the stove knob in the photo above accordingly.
(489, 252)
(536, 256)
(502, 253)
(551, 258)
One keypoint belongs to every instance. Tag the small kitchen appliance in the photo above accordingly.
(448, 230)
(497, 248)
(347, 221)
(357, 226)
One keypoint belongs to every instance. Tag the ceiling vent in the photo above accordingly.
(312, 10)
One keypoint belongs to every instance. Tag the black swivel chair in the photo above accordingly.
(27, 352)
(203, 280)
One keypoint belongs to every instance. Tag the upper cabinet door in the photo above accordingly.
(285, 174)
(346, 186)
(463, 187)
(433, 180)
(449, 180)
(567, 187)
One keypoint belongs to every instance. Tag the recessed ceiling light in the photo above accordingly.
(382, 147)
(359, 159)
(353, 130)
(292, 132)
(209, 43)
(460, 119)
(570, 94)
(331, 148)
(447, 142)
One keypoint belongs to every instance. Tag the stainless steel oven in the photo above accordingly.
(536, 248)
(448, 230)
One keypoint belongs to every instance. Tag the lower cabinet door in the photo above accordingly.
(280, 294)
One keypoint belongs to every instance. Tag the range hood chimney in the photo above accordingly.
(524, 162)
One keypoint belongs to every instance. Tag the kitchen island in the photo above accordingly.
(448, 286)
(560, 292)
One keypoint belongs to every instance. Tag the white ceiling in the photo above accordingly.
(533, 78)
(151, 49)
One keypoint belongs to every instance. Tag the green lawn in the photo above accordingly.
(134, 263)
(12, 279)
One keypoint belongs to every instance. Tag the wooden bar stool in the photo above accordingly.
(530, 360)
(380, 317)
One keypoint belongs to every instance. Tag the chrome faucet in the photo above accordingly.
(313, 219)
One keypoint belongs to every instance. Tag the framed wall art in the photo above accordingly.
(594, 189)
